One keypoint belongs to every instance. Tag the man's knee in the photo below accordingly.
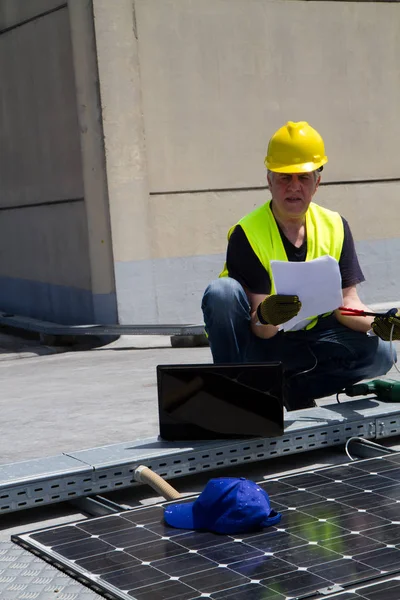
(377, 357)
(385, 356)
(223, 291)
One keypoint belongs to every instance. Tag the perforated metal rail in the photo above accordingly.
(101, 470)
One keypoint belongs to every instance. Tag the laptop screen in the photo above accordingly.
(208, 401)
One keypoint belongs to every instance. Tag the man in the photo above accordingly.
(243, 312)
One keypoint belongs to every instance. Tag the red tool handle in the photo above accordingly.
(357, 312)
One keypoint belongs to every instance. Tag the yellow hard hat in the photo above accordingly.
(295, 148)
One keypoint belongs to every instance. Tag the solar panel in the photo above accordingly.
(340, 527)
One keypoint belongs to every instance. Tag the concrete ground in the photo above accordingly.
(82, 399)
(58, 400)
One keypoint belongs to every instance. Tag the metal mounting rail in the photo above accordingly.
(49, 328)
(105, 469)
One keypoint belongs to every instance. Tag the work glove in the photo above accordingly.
(278, 309)
(382, 326)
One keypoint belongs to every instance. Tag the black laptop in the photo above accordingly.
(208, 401)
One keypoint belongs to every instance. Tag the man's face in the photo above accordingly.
(292, 192)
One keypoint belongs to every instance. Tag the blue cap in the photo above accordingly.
(226, 505)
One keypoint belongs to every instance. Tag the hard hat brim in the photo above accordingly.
(297, 168)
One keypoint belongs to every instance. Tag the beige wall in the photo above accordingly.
(122, 112)
(181, 220)
(219, 76)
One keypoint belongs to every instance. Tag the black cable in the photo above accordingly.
(289, 378)
(306, 370)
(312, 369)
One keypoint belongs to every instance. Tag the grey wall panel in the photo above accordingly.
(219, 76)
(105, 308)
(58, 304)
(13, 12)
(45, 272)
(47, 244)
(40, 158)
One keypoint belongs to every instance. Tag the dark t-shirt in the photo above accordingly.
(244, 265)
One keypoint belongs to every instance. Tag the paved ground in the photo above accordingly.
(77, 400)
(14, 347)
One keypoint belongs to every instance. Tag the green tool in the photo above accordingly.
(386, 390)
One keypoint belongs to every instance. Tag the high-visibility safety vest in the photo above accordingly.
(325, 235)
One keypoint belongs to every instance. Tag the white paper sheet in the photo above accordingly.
(317, 283)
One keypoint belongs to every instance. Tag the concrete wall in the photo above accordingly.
(130, 148)
(16, 12)
(45, 268)
(218, 77)
(125, 159)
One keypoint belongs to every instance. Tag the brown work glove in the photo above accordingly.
(382, 326)
(278, 309)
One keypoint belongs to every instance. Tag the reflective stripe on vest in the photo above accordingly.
(325, 235)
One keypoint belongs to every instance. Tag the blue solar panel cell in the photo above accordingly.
(340, 526)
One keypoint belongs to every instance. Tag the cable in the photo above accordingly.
(306, 370)
(392, 351)
(291, 377)
(378, 449)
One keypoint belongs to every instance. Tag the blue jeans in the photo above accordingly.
(317, 363)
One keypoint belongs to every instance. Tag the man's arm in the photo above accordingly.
(387, 328)
(267, 311)
(244, 266)
(274, 310)
(352, 300)
(262, 331)
(352, 274)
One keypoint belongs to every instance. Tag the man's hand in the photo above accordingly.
(278, 309)
(382, 326)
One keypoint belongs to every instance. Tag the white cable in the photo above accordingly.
(392, 351)
(347, 450)
(367, 443)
